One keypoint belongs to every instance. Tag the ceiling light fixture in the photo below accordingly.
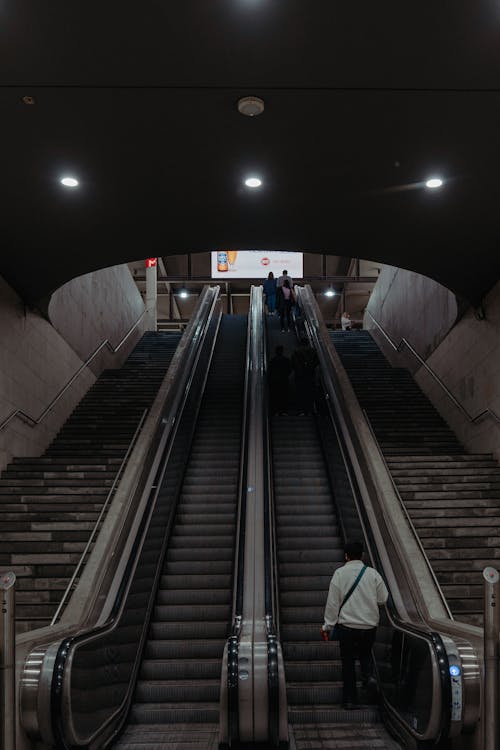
(330, 293)
(69, 182)
(434, 182)
(184, 294)
(253, 182)
(250, 106)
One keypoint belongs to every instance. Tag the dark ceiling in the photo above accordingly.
(364, 101)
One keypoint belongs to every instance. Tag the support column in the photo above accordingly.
(491, 626)
(7, 662)
(151, 293)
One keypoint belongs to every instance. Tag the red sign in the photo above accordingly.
(151, 262)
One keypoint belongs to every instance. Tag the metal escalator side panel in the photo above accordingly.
(111, 663)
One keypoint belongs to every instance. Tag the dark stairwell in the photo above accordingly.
(452, 497)
(50, 504)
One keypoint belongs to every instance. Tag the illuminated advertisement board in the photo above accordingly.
(255, 264)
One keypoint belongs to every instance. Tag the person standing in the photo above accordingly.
(278, 373)
(304, 363)
(270, 292)
(287, 302)
(355, 595)
(345, 321)
(281, 279)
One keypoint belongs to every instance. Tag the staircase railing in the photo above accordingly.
(34, 421)
(405, 343)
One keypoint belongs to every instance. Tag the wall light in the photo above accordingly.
(69, 182)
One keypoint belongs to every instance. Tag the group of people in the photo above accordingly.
(280, 297)
(302, 363)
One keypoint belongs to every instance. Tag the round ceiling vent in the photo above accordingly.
(251, 106)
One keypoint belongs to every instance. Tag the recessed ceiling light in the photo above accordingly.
(250, 106)
(253, 182)
(69, 182)
(434, 182)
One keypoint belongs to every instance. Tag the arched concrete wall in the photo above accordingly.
(37, 359)
(412, 306)
(465, 355)
(97, 306)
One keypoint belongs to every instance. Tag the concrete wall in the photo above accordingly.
(465, 356)
(98, 306)
(37, 359)
(414, 307)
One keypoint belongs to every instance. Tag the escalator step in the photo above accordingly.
(180, 669)
(172, 713)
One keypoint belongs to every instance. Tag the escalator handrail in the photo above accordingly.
(54, 672)
(254, 614)
(419, 628)
(232, 677)
(233, 645)
(270, 559)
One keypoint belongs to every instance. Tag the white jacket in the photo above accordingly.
(361, 609)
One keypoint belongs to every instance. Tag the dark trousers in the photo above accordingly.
(286, 310)
(355, 642)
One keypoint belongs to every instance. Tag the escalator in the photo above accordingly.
(179, 678)
(331, 485)
(309, 543)
(147, 670)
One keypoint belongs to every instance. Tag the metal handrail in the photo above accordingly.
(404, 342)
(32, 421)
(408, 519)
(101, 514)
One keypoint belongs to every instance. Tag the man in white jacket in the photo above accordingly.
(357, 617)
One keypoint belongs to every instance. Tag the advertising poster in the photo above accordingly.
(255, 264)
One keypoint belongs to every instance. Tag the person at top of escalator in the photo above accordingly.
(270, 293)
(352, 609)
(286, 303)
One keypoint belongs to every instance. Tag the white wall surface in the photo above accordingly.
(37, 359)
(466, 358)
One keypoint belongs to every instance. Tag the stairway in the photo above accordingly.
(310, 549)
(176, 700)
(49, 505)
(453, 498)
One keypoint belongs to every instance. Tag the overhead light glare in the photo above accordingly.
(69, 182)
(184, 294)
(434, 182)
(253, 182)
(251, 106)
(330, 293)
